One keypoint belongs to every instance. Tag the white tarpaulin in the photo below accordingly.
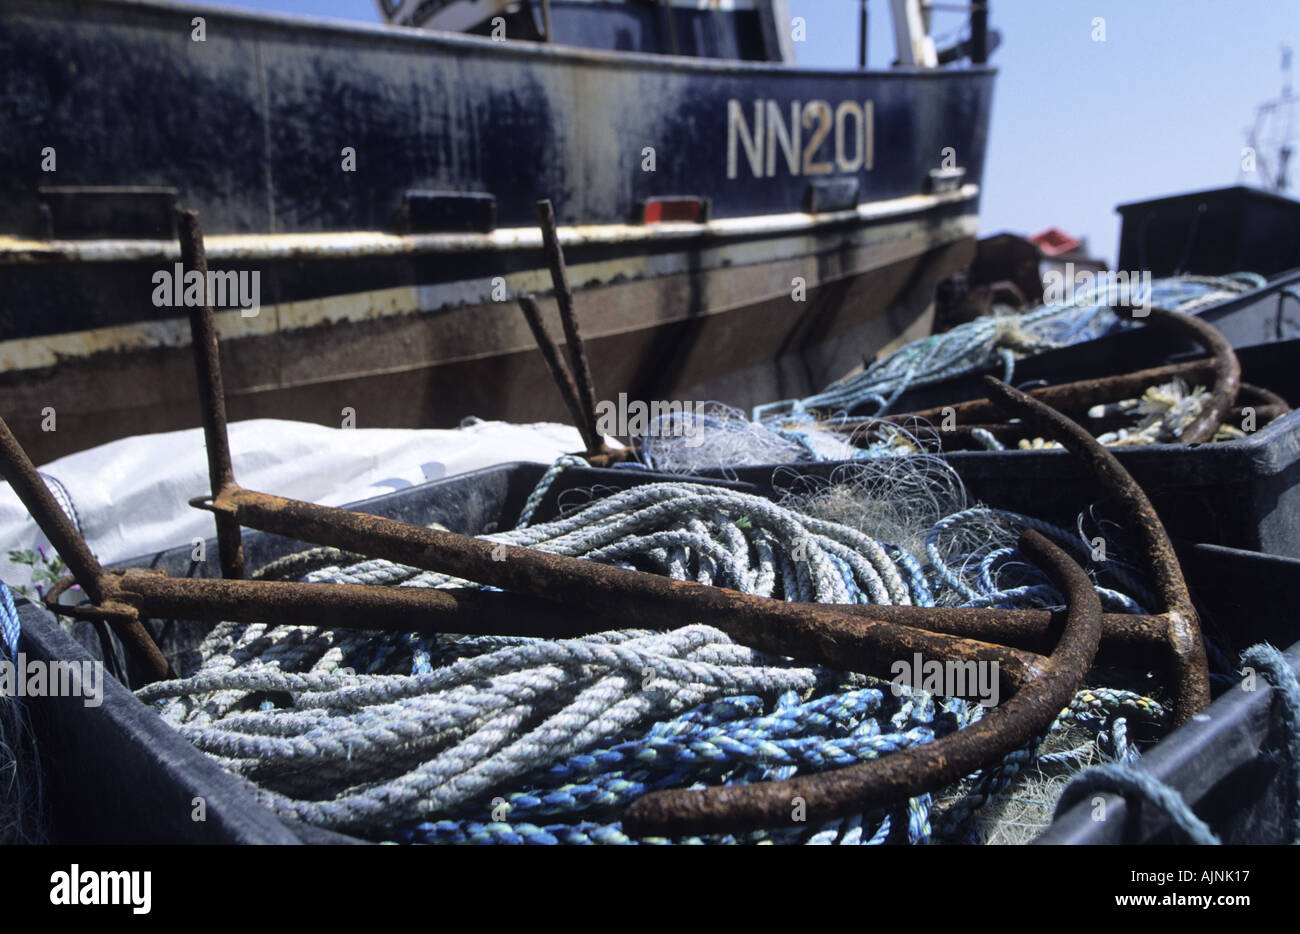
(131, 496)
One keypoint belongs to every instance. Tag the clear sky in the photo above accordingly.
(1161, 106)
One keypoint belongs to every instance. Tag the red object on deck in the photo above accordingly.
(1054, 241)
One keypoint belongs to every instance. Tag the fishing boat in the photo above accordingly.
(737, 226)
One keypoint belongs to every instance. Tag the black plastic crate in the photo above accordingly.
(1211, 232)
(1241, 494)
(1269, 313)
(145, 776)
(1227, 763)
(118, 774)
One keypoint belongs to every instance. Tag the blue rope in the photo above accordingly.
(9, 624)
(20, 777)
(1273, 664)
(1130, 781)
(730, 741)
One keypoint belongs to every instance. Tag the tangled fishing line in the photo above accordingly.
(715, 437)
(994, 343)
(495, 739)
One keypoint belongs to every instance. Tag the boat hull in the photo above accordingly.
(412, 356)
(830, 202)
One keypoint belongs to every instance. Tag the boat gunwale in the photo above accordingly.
(297, 24)
(344, 244)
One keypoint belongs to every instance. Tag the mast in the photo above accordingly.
(1274, 134)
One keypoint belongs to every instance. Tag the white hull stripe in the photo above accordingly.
(224, 248)
(356, 307)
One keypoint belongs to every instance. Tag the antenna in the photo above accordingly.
(1284, 151)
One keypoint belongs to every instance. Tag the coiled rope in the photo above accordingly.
(411, 738)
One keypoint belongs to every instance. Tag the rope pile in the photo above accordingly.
(517, 740)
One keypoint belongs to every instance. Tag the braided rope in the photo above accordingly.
(1273, 664)
(10, 628)
(1128, 781)
(408, 737)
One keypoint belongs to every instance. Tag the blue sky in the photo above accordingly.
(1161, 106)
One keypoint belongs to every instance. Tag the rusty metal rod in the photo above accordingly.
(814, 631)
(72, 548)
(1032, 630)
(1125, 636)
(334, 606)
(212, 397)
(50, 517)
(559, 372)
(1226, 382)
(568, 314)
(1073, 397)
(900, 775)
(1183, 634)
(1258, 396)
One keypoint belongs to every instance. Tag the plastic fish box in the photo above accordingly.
(1269, 313)
(1229, 762)
(1211, 232)
(116, 773)
(146, 777)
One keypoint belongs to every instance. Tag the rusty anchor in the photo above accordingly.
(554, 596)
(1228, 395)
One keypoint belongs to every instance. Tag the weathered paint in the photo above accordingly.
(249, 126)
(416, 300)
(431, 369)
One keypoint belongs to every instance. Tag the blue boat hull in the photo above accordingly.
(313, 151)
